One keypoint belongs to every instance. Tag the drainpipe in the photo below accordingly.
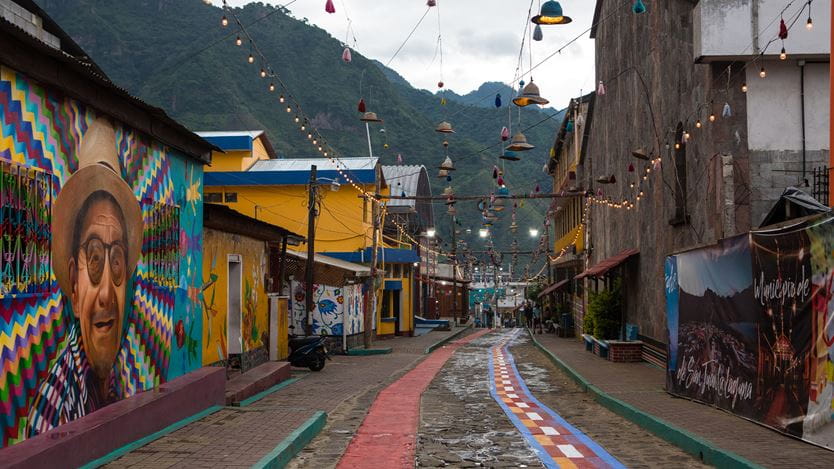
(801, 64)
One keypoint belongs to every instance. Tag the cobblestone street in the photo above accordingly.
(462, 426)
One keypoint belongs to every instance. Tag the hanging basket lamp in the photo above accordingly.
(447, 164)
(640, 154)
(498, 205)
(551, 13)
(370, 117)
(442, 174)
(452, 210)
(519, 143)
(509, 156)
(530, 95)
(444, 128)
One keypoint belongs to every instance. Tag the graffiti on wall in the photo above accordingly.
(333, 309)
(118, 217)
(751, 329)
(254, 307)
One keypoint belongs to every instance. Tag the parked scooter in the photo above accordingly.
(308, 352)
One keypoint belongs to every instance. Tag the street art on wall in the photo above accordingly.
(254, 306)
(751, 327)
(333, 308)
(117, 216)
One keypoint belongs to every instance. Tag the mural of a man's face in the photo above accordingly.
(98, 271)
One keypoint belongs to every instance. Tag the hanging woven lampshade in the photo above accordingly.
(498, 100)
(530, 95)
(601, 88)
(452, 210)
(503, 192)
(442, 174)
(498, 205)
(514, 227)
(448, 191)
(519, 143)
(640, 154)
(551, 13)
(447, 164)
(509, 156)
(444, 128)
(370, 117)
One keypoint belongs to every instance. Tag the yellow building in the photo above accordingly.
(243, 321)
(276, 190)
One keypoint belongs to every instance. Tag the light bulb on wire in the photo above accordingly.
(225, 21)
(251, 59)
(289, 109)
(698, 124)
(763, 73)
(809, 25)
(263, 73)
(238, 41)
(281, 99)
(271, 87)
(783, 55)
(744, 87)
(712, 117)
(296, 119)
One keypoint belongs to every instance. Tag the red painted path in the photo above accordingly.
(388, 435)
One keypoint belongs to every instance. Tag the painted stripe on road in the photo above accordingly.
(557, 443)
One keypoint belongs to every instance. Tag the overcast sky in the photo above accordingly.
(481, 41)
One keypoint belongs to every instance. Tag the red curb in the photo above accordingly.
(387, 436)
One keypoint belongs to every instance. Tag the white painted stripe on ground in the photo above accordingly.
(570, 451)
(534, 416)
(550, 431)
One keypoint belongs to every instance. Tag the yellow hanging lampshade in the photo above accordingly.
(551, 13)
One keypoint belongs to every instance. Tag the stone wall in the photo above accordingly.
(653, 89)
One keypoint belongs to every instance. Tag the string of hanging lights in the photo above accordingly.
(293, 106)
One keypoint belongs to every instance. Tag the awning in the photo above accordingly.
(604, 266)
(552, 288)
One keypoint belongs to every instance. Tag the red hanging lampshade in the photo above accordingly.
(361, 106)
(329, 7)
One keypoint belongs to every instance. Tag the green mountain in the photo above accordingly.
(174, 54)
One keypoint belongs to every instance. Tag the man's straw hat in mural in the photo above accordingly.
(98, 170)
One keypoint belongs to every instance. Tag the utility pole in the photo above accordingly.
(369, 319)
(311, 252)
(454, 273)
(550, 279)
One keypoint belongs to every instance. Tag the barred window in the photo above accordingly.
(161, 243)
(25, 229)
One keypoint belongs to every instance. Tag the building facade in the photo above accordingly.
(78, 153)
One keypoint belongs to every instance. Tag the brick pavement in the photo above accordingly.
(643, 386)
(240, 437)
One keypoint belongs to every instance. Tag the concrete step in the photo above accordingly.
(256, 380)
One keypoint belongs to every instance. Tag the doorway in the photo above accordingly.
(233, 336)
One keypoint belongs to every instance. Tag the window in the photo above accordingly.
(679, 153)
(25, 229)
(214, 197)
(230, 197)
(387, 312)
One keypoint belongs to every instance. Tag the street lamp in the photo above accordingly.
(483, 232)
(534, 232)
(431, 232)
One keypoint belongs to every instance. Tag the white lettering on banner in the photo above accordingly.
(781, 289)
(710, 376)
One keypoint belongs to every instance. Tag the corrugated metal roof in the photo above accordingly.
(403, 179)
(322, 164)
(359, 270)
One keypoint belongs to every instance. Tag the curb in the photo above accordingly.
(361, 352)
(688, 442)
(294, 443)
(264, 393)
(117, 453)
(431, 348)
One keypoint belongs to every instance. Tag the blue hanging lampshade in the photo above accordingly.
(551, 13)
(537, 33)
(510, 155)
(569, 126)
(502, 191)
(638, 7)
(498, 100)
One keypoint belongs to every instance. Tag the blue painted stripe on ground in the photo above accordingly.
(591, 444)
(145, 440)
(594, 446)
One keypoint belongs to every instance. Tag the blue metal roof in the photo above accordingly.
(280, 178)
(388, 255)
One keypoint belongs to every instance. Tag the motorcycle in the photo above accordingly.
(308, 352)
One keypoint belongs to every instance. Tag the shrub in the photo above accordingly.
(604, 312)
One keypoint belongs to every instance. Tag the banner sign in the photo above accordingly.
(751, 327)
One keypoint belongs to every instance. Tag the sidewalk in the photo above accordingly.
(243, 436)
(643, 386)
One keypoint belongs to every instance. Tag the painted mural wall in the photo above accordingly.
(254, 331)
(100, 260)
(335, 308)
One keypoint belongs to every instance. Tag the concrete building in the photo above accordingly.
(684, 105)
